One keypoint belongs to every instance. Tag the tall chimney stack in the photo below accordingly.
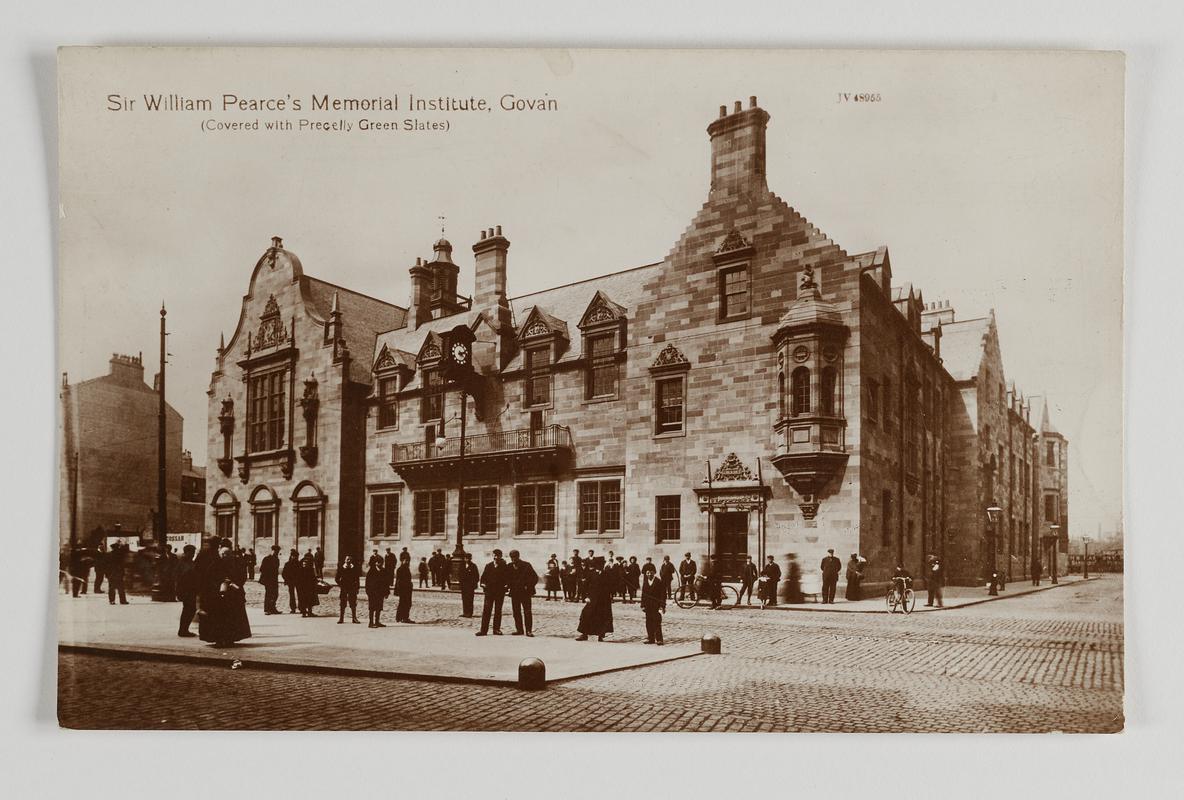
(419, 310)
(738, 148)
(489, 287)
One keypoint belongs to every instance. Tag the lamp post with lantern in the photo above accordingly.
(458, 368)
(1052, 539)
(994, 513)
(1085, 558)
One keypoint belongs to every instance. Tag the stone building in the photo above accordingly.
(108, 459)
(193, 496)
(759, 391)
(287, 411)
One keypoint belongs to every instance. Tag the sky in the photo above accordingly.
(994, 179)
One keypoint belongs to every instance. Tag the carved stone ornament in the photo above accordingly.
(809, 507)
(733, 469)
(271, 326)
(670, 356)
(226, 417)
(244, 470)
(801, 353)
(600, 313)
(310, 402)
(430, 352)
(537, 329)
(385, 360)
(830, 353)
(733, 241)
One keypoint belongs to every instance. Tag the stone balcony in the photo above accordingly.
(545, 450)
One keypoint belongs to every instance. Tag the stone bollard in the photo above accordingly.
(532, 674)
(710, 644)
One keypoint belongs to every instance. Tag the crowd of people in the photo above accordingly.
(211, 584)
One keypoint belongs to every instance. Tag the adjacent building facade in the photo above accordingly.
(108, 462)
(759, 391)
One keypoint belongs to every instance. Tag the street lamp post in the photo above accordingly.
(1056, 538)
(993, 514)
(457, 559)
(1085, 562)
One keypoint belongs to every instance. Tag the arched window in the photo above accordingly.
(827, 402)
(800, 391)
(225, 515)
(264, 516)
(309, 506)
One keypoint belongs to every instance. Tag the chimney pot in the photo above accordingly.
(738, 149)
(499, 230)
(482, 234)
(752, 101)
(737, 109)
(277, 242)
(723, 111)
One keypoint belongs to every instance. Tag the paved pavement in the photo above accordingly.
(1048, 661)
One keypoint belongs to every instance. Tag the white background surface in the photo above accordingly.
(37, 759)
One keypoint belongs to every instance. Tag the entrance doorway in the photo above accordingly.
(731, 542)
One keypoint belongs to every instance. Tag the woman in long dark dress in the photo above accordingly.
(596, 618)
(403, 589)
(222, 619)
(306, 589)
(552, 581)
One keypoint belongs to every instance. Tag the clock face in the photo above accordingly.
(460, 353)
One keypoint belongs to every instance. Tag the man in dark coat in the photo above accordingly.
(100, 566)
(390, 563)
(493, 581)
(349, 579)
(80, 563)
(687, 569)
(712, 581)
(632, 578)
(291, 575)
(269, 576)
(575, 560)
(831, 566)
(187, 588)
(376, 590)
(653, 603)
(1036, 568)
(596, 618)
(666, 573)
(114, 567)
(615, 572)
(470, 577)
(404, 586)
(318, 560)
(434, 567)
(793, 580)
(748, 576)
(771, 574)
(521, 580)
(936, 581)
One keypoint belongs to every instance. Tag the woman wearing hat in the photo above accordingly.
(596, 618)
(222, 619)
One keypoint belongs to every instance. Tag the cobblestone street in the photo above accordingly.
(1048, 661)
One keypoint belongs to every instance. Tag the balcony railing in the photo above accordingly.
(550, 437)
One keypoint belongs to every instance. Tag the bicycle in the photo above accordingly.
(901, 595)
(688, 595)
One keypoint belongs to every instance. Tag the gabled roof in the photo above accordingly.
(962, 346)
(362, 319)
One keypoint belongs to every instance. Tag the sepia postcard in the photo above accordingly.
(590, 390)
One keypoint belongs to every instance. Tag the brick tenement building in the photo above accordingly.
(108, 460)
(757, 392)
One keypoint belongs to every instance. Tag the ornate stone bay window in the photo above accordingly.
(811, 424)
(269, 373)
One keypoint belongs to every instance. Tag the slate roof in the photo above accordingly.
(962, 346)
(363, 318)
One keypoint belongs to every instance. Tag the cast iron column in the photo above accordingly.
(458, 553)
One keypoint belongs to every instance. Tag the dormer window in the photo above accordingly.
(602, 372)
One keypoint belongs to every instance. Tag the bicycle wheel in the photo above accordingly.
(909, 602)
(685, 597)
(728, 596)
(891, 601)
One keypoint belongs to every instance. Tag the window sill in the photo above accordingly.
(387, 429)
(672, 435)
(594, 400)
(603, 535)
(541, 536)
(428, 537)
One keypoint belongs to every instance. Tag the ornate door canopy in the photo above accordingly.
(732, 487)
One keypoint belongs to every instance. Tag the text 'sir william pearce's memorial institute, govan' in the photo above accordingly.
(759, 391)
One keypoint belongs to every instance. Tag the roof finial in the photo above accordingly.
(221, 342)
(335, 309)
(442, 219)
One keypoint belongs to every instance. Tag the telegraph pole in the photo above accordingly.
(162, 516)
